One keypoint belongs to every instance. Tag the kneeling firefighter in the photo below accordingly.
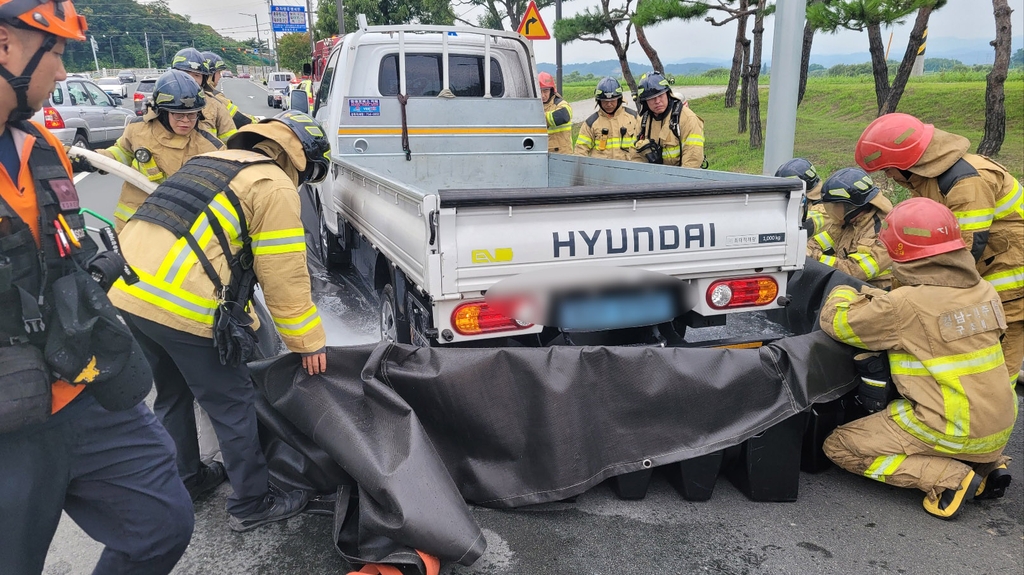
(941, 328)
(814, 215)
(849, 242)
(75, 435)
(199, 244)
(670, 132)
(163, 141)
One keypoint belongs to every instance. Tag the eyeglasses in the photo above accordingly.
(190, 117)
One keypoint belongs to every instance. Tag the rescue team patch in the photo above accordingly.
(66, 194)
(970, 320)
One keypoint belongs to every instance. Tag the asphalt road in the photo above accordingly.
(840, 524)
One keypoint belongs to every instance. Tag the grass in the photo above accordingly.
(833, 115)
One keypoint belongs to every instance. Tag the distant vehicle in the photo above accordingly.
(306, 87)
(245, 75)
(127, 77)
(278, 84)
(80, 113)
(113, 86)
(143, 95)
(227, 74)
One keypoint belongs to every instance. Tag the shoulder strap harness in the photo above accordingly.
(958, 171)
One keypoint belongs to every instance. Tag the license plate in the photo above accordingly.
(595, 312)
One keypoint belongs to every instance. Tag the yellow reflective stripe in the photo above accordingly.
(975, 220)
(817, 218)
(120, 154)
(298, 326)
(227, 216)
(182, 256)
(1007, 280)
(830, 261)
(825, 240)
(867, 264)
(1011, 202)
(224, 136)
(585, 140)
(279, 242)
(694, 140)
(123, 212)
(841, 324)
(902, 413)
(671, 151)
(150, 170)
(884, 466)
(562, 128)
(906, 364)
(846, 294)
(170, 298)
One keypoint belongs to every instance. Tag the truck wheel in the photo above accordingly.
(389, 317)
(331, 254)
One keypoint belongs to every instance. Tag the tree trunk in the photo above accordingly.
(995, 111)
(739, 60)
(756, 134)
(620, 52)
(879, 67)
(899, 83)
(805, 60)
(652, 54)
(744, 88)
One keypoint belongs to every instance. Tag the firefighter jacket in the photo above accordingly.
(155, 151)
(853, 246)
(611, 137)
(816, 215)
(175, 291)
(559, 118)
(217, 120)
(941, 329)
(680, 132)
(237, 117)
(29, 208)
(986, 200)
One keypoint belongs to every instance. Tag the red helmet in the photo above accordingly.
(918, 228)
(893, 141)
(57, 17)
(546, 81)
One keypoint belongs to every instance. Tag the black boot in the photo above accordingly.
(206, 480)
(278, 504)
(995, 483)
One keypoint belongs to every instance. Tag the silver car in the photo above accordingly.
(113, 86)
(80, 112)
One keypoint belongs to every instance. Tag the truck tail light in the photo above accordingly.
(52, 119)
(742, 292)
(476, 318)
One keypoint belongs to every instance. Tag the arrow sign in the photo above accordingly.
(532, 27)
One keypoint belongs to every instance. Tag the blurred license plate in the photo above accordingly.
(593, 312)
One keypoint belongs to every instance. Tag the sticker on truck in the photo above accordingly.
(363, 107)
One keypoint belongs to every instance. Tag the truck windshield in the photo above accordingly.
(423, 78)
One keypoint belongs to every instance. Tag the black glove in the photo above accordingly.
(80, 164)
(651, 151)
(233, 335)
(875, 380)
(105, 268)
(809, 226)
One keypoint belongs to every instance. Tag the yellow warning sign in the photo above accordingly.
(532, 27)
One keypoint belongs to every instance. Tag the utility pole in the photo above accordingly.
(113, 62)
(163, 51)
(341, 18)
(95, 60)
(558, 49)
(270, 5)
(309, 27)
(149, 63)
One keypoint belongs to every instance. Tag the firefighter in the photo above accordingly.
(610, 132)
(985, 198)
(814, 212)
(217, 65)
(216, 118)
(849, 242)
(188, 305)
(941, 329)
(558, 115)
(82, 442)
(670, 133)
(163, 141)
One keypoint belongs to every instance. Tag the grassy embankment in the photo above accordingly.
(836, 110)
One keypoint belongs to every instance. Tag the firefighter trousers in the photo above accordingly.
(187, 368)
(1013, 339)
(875, 447)
(111, 471)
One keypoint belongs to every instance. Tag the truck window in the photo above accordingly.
(423, 78)
(325, 82)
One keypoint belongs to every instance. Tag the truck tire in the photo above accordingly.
(388, 314)
(270, 101)
(331, 254)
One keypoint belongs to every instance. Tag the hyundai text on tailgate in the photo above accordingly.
(443, 199)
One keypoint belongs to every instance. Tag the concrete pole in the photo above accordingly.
(558, 49)
(149, 63)
(309, 27)
(95, 60)
(341, 17)
(784, 83)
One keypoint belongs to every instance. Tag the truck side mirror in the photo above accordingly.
(299, 101)
(307, 70)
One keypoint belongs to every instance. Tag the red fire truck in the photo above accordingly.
(321, 51)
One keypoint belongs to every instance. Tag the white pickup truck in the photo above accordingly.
(441, 189)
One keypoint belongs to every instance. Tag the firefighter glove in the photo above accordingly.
(875, 380)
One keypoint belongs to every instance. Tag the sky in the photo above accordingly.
(674, 41)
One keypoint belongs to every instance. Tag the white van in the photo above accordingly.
(277, 88)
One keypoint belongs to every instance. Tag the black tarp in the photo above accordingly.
(411, 432)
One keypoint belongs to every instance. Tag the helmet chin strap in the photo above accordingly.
(20, 83)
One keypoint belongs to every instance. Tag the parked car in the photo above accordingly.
(245, 75)
(277, 88)
(143, 94)
(113, 86)
(81, 113)
(127, 77)
(227, 74)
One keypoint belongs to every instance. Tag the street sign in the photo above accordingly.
(288, 18)
(532, 27)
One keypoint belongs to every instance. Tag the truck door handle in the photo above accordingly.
(432, 221)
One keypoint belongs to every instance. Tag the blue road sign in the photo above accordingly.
(288, 18)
